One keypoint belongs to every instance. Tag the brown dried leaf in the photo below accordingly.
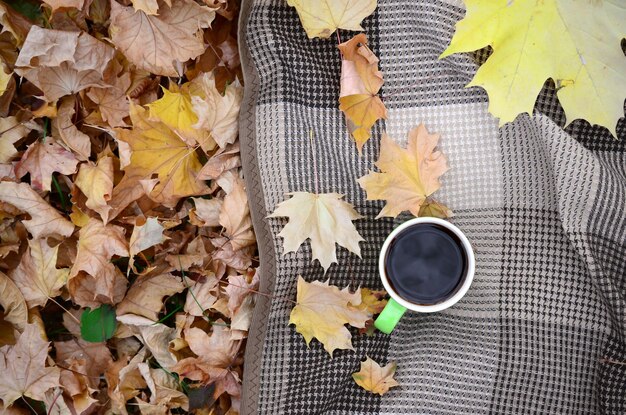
(23, 368)
(11, 130)
(96, 182)
(64, 128)
(202, 295)
(13, 304)
(224, 159)
(206, 212)
(156, 43)
(235, 217)
(37, 275)
(216, 354)
(41, 159)
(45, 220)
(145, 296)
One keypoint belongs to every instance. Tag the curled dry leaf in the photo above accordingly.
(11, 130)
(155, 43)
(360, 83)
(96, 182)
(374, 378)
(408, 176)
(64, 128)
(37, 276)
(145, 296)
(235, 217)
(13, 305)
(45, 220)
(325, 219)
(322, 18)
(224, 159)
(23, 368)
(323, 310)
(146, 233)
(41, 159)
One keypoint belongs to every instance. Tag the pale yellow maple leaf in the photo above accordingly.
(408, 176)
(158, 150)
(325, 219)
(11, 130)
(96, 182)
(577, 44)
(41, 159)
(217, 113)
(37, 276)
(156, 43)
(23, 368)
(323, 310)
(374, 378)
(321, 18)
(44, 219)
(360, 83)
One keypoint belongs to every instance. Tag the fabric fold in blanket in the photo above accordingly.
(542, 328)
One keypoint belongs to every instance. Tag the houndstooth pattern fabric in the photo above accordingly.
(541, 331)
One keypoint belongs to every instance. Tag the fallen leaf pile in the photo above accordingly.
(127, 255)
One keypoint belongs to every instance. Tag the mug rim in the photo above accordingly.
(471, 265)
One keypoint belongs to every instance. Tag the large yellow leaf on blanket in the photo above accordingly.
(323, 218)
(577, 44)
(321, 18)
(323, 310)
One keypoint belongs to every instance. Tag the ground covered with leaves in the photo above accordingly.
(126, 247)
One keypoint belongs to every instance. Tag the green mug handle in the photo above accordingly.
(389, 318)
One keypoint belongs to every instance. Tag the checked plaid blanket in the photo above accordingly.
(542, 328)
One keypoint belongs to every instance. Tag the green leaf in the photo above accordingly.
(99, 324)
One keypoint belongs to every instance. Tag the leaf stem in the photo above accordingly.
(313, 154)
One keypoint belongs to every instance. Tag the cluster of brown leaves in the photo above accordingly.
(120, 189)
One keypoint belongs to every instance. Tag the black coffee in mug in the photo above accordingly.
(426, 263)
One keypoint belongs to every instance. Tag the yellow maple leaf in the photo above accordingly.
(157, 150)
(323, 218)
(374, 378)
(372, 301)
(577, 44)
(321, 18)
(323, 310)
(360, 82)
(408, 175)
